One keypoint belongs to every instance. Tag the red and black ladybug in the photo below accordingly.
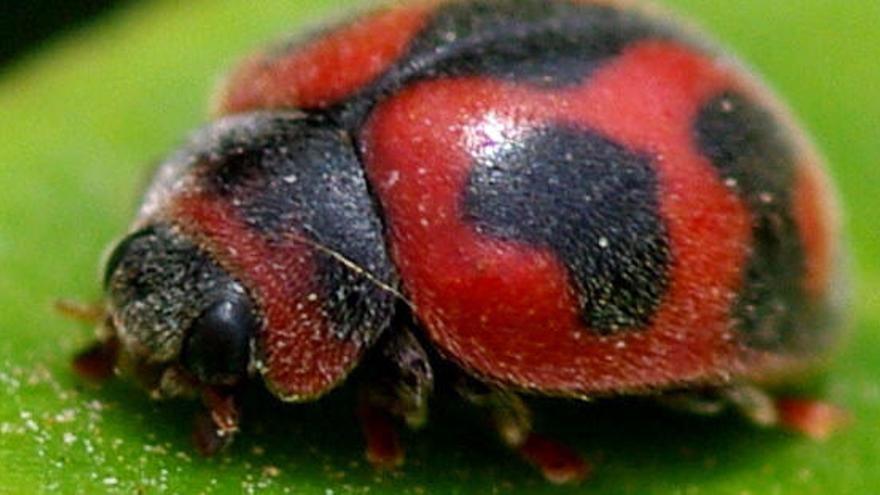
(565, 198)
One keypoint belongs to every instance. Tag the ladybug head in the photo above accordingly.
(172, 305)
(258, 251)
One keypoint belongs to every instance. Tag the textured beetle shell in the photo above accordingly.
(576, 198)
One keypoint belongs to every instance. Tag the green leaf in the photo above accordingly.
(82, 121)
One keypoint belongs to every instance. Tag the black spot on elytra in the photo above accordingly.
(546, 44)
(756, 158)
(533, 41)
(299, 175)
(594, 204)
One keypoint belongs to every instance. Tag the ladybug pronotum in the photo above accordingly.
(563, 198)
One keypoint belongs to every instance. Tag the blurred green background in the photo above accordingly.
(82, 120)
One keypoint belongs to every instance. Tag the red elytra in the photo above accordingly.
(325, 69)
(506, 311)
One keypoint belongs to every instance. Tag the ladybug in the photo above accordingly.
(562, 198)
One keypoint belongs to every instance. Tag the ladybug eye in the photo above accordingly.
(217, 347)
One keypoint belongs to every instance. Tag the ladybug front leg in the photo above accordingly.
(217, 424)
(512, 420)
(398, 385)
(98, 361)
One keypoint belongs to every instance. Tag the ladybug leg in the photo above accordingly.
(383, 448)
(815, 419)
(809, 417)
(752, 403)
(98, 361)
(217, 424)
(398, 387)
(512, 420)
(174, 382)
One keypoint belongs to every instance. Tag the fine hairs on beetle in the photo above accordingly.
(566, 198)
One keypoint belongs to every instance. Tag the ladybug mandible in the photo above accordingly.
(563, 198)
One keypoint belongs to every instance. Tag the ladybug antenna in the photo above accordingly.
(357, 269)
(92, 313)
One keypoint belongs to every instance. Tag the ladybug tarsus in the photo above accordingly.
(98, 361)
(810, 417)
(558, 463)
(511, 419)
(205, 437)
(383, 448)
(397, 387)
(217, 424)
(508, 414)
